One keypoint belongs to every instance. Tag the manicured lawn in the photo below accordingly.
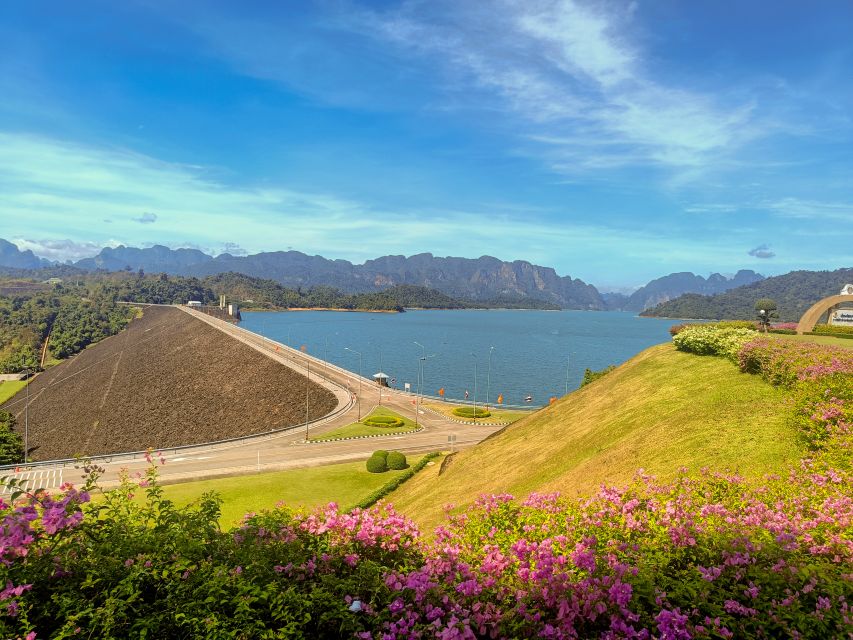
(359, 429)
(659, 411)
(345, 484)
(10, 388)
(498, 415)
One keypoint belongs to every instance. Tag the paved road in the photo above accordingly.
(289, 450)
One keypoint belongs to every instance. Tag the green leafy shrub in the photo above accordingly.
(675, 329)
(396, 461)
(386, 422)
(734, 324)
(833, 330)
(468, 412)
(377, 463)
(711, 340)
(11, 443)
(393, 484)
(591, 376)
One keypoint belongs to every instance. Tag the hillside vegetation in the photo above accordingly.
(794, 293)
(706, 555)
(659, 411)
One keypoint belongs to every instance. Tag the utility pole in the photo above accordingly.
(568, 358)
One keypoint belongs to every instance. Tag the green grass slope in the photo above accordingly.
(346, 484)
(660, 411)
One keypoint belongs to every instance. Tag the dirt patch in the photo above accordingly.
(167, 380)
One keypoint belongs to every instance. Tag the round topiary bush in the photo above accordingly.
(396, 461)
(377, 463)
(468, 412)
(386, 422)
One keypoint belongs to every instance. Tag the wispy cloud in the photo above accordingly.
(761, 251)
(575, 75)
(70, 188)
(812, 209)
(146, 218)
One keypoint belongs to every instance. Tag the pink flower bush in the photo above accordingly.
(713, 556)
(784, 362)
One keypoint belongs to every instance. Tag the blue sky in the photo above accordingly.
(614, 141)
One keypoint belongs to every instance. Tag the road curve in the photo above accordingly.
(289, 450)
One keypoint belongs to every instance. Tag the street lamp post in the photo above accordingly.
(567, 375)
(27, 418)
(307, 390)
(421, 362)
(379, 380)
(474, 355)
(358, 353)
(489, 376)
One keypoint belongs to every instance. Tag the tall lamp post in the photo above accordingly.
(474, 355)
(307, 390)
(489, 376)
(27, 418)
(379, 380)
(358, 353)
(567, 374)
(421, 362)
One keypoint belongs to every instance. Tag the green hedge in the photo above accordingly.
(386, 422)
(396, 461)
(377, 463)
(387, 488)
(468, 412)
(833, 330)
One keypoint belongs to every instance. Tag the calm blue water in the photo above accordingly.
(532, 348)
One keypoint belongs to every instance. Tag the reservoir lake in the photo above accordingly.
(533, 350)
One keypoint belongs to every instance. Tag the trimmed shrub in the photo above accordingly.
(468, 412)
(833, 330)
(386, 422)
(712, 340)
(735, 324)
(377, 464)
(396, 461)
(591, 376)
(394, 483)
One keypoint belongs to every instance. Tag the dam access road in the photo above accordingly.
(286, 449)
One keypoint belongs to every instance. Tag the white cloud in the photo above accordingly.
(146, 218)
(811, 209)
(571, 72)
(761, 251)
(66, 189)
(62, 250)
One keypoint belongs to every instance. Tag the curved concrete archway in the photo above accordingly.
(810, 317)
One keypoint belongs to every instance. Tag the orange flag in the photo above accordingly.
(441, 392)
(552, 400)
(303, 348)
(501, 399)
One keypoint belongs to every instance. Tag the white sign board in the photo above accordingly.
(842, 317)
(407, 386)
(847, 290)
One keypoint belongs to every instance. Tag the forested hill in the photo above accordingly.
(793, 292)
(71, 313)
(484, 279)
